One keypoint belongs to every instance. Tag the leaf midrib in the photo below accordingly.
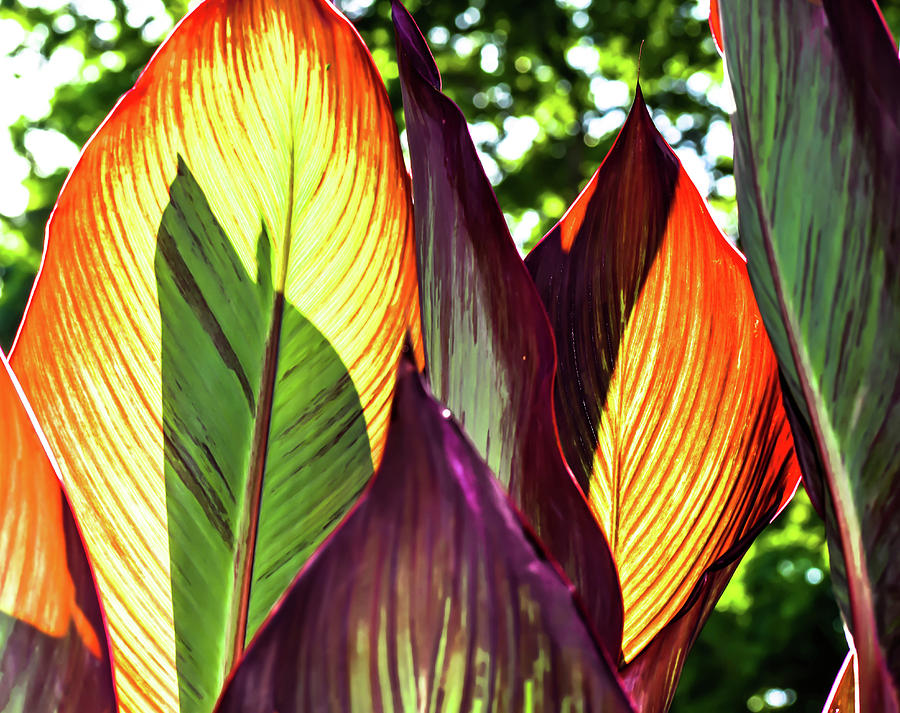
(249, 522)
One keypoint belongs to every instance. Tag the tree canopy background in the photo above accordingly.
(545, 86)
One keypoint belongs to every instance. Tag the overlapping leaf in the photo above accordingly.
(817, 158)
(488, 346)
(430, 596)
(53, 651)
(651, 678)
(667, 394)
(212, 340)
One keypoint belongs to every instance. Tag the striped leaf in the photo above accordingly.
(489, 349)
(667, 395)
(53, 652)
(228, 279)
(817, 159)
(430, 596)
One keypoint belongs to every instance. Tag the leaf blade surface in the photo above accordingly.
(489, 351)
(247, 253)
(448, 605)
(817, 93)
(843, 697)
(53, 650)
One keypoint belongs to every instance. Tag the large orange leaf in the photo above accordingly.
(667, 397)
(227, 283)
(53, 651)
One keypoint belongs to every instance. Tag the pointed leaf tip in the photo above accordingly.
(412, 351)
(446, 604)
(677, 415)
(411, 45)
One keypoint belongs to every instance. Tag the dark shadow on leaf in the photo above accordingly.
(590, 288)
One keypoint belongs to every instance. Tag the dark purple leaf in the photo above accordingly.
(431, 595)
(489, 351)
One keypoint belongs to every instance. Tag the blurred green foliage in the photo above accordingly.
(562, 74)
(545, 86)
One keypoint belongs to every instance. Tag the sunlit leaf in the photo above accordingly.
(667, 394)
(430, 596)
(53, 651)
(817, 160)
(489, 349)
(211, 344)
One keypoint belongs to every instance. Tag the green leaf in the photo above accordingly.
(316, 458)
(817, 159)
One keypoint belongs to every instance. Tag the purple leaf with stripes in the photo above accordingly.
(489, 348)
(431, 595)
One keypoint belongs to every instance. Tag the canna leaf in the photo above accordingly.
(239, 238)
(667, 395)
(53, 651)
(843, 697)
(817, 157)
(488, 346)
(447, 606)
